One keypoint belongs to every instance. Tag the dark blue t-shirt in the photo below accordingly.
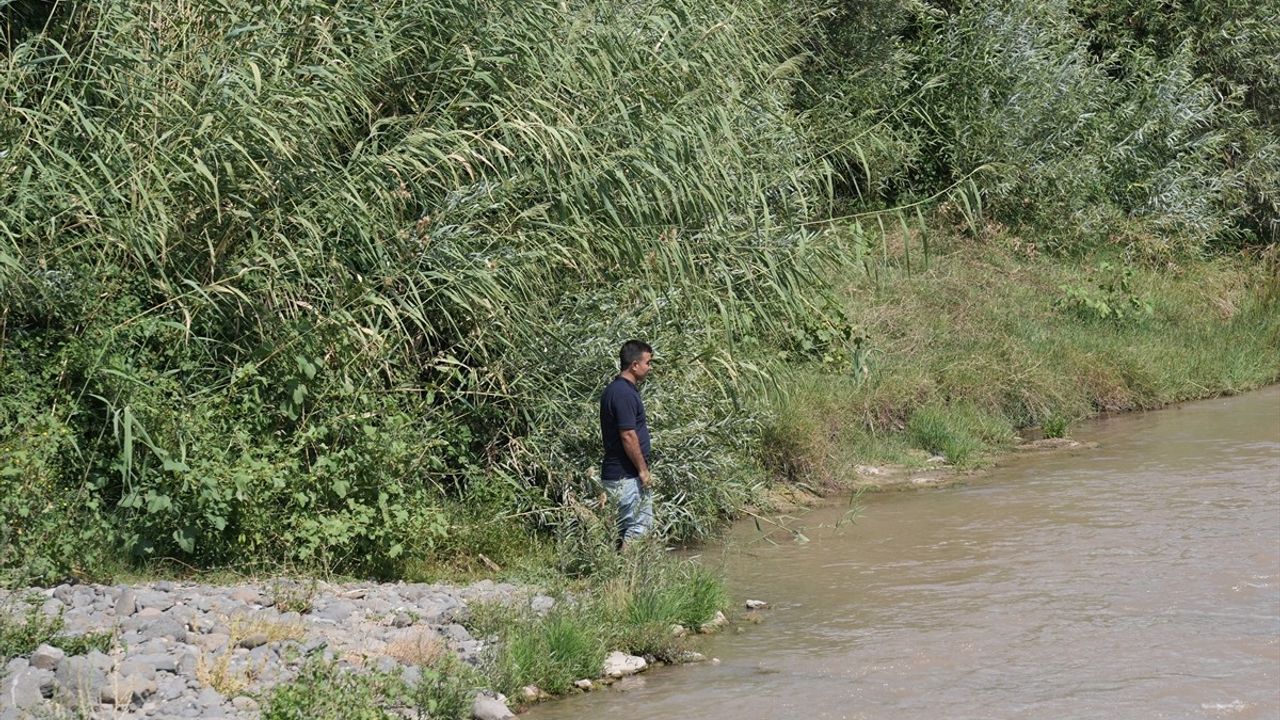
(621, 409)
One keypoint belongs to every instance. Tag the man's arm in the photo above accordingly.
(631, 446)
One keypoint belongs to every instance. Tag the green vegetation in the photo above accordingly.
(323, 691)
(963, 357)
(331, 288)
(22, 631)
(637, 602)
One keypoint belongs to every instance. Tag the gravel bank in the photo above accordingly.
(201, 651)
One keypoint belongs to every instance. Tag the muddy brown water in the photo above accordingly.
(1139, 579)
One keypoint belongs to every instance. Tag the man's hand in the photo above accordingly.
(631, 446)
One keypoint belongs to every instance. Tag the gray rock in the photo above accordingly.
(401, 620)
(169, 687)
(336, 611)
(244, 704)
(715, 623)
(246, 596)
(100, 660)
(263, 654)
(188, 661)
(163, 586)
(542, 604)
(123, 691)
(131, 638)
(137, 667)
(149, 664)
(454, 631)
(487, 707)
(16, 665)
(52, 606)
(209, 697)
(64, 592)
(252, 640)
(163, 627)
(213, 642)
(47, 657)
(25, 689)
(126, 603)
(79, 680)
(153, 599)
(182, 613)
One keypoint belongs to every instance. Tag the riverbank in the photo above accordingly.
(308, 649)
(994, 347)
(976, 357)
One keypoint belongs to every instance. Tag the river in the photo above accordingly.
(1138, 579)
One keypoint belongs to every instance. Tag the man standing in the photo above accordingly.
(624, 429)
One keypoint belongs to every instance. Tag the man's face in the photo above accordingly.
(641, 366)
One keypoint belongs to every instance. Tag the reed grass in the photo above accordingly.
(334, 286)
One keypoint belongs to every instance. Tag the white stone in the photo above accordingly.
(714, 623)
(618, 664)
(756, 604)
(583, 684)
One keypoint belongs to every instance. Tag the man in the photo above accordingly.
(624, 430)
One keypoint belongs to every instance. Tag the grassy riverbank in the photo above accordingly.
(994, 341)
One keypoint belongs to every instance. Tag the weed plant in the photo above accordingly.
(24, 630)
(324, 691)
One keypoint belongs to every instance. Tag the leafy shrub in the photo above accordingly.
(1113, 299)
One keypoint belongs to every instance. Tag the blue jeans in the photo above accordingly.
(635, 507)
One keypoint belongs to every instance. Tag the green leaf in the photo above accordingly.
(185, 539)
(175, 466)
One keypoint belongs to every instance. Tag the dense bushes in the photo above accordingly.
(322, 284)
(292, 279)
(1088, 120)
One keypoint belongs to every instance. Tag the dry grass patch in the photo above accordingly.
(274, 630)
(420, 647)
(218, 672)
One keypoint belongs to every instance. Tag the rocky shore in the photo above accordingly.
(177, 650)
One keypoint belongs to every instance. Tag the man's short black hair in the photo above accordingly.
(632, 352)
